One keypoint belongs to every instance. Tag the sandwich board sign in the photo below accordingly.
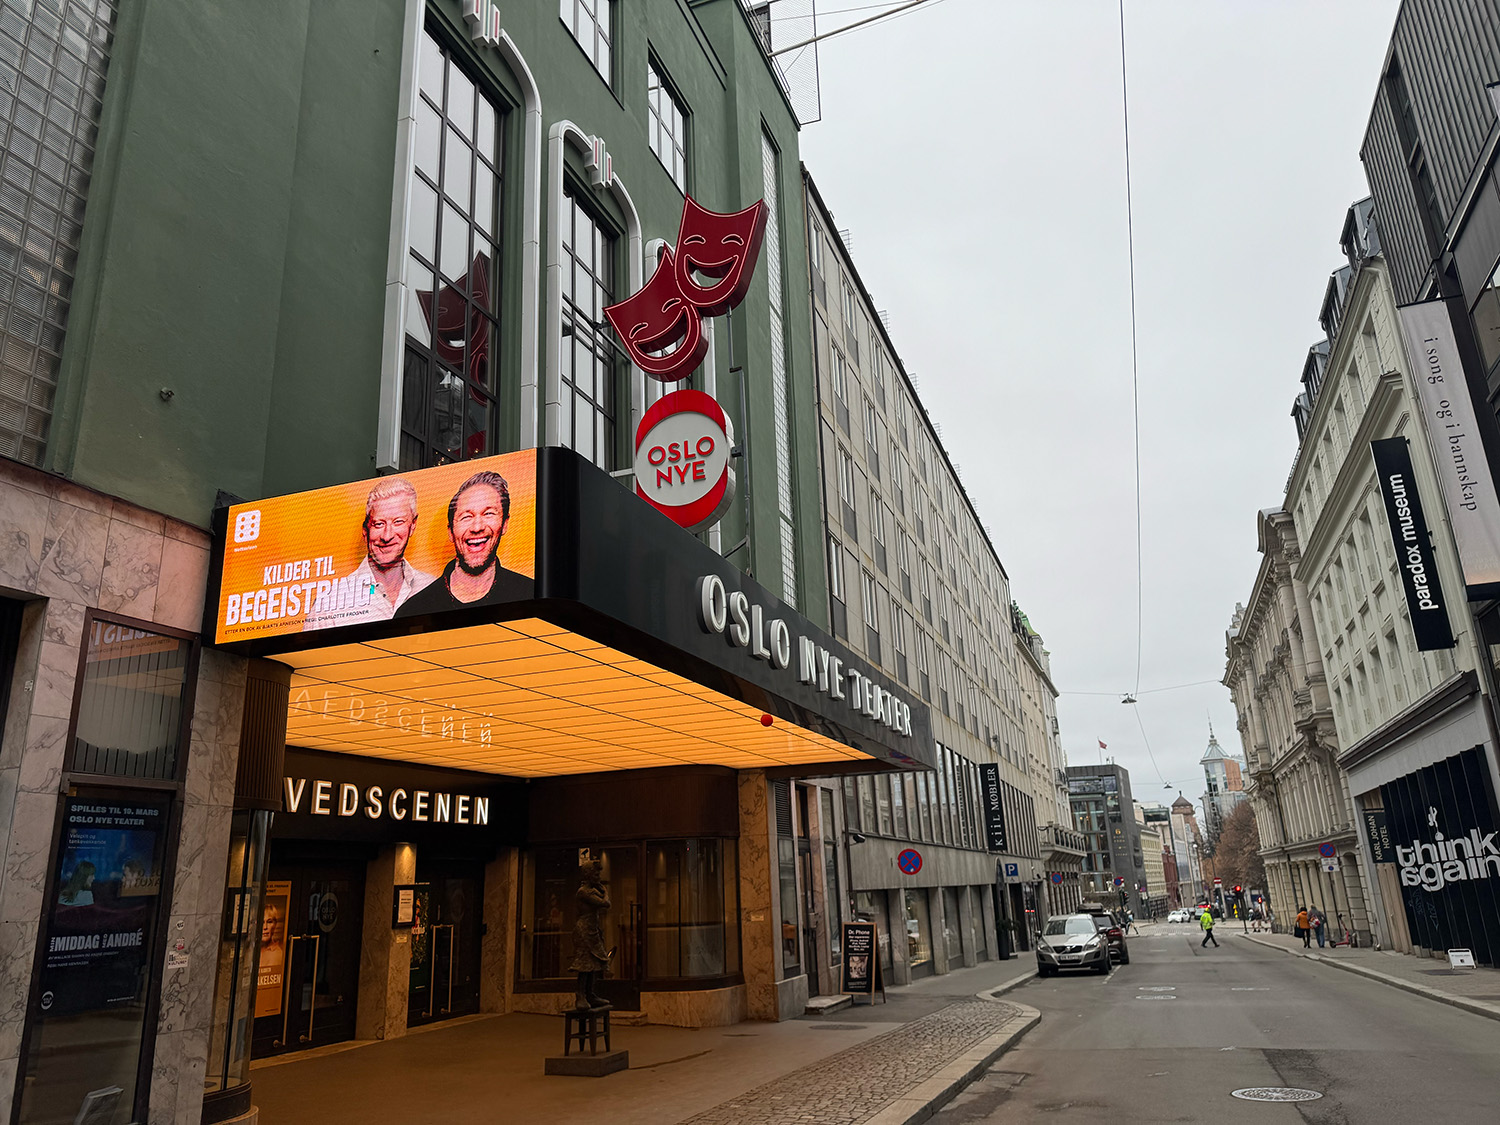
(861, 971)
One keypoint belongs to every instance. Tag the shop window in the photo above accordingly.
(870, 906)
(786, 869)
(549, 893)
(451, 360)
(131, 702)
(691, 909)
(590, 361)
(918, 932)
(952, 928)
(833, 899)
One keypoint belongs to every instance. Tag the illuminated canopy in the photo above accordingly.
(612, 664)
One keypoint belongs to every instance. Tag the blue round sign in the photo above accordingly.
(1119, 882)
(1327, 851)
(910, 861)
(1057, 876)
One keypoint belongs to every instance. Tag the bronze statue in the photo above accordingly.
(590, 958)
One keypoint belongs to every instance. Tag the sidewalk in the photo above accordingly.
(880, 1064)
(1474, 990)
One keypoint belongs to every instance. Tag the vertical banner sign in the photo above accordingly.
(1419, 576)
(994, 807)
(859, 958)
(1448, 415)
(1379, 835)
(272, 963)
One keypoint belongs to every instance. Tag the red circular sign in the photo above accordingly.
(682, 459)
(910, 861)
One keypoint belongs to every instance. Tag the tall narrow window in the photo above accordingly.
(452, 330)
(592, 24)
(781, 376)
(590, 366)
(667, 129)
(837, 610)
(53, 59)
(872, 617)
(846, 493)
(840, 390)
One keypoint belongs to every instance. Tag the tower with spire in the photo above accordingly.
(1224, 784)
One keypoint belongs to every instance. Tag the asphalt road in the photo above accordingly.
(1114, 1050)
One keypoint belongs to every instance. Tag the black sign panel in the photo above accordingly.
(1419, 577)
(1379, 835)
(1445, 833)
(352, 797)
(861, 959)
(994, 807)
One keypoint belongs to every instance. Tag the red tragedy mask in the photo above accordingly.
(657, 317)
(719, 246)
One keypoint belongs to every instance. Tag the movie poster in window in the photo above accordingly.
(104, 909)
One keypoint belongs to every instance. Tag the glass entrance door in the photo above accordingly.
(445, 943)
(308, 976)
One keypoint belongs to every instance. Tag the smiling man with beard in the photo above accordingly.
(477, 516)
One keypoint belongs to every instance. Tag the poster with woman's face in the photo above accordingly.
(271, 966)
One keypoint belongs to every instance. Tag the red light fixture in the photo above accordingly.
(766, 720)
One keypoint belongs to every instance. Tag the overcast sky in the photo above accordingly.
(974, 149)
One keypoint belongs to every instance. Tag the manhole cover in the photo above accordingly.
(839, 1026)
(1275, 1094)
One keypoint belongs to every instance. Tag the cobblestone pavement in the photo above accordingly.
(853, 1085)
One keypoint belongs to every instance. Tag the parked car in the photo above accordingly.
(1072, 941)
(1113, 929)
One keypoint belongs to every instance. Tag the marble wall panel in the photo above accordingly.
(184, 578)
(759, 949)
(73, 549)
(23, 529)
(497, 956)
(132, 569)
(72, 563)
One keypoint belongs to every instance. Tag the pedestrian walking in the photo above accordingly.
(1207, 922)
(1130, 922)
(1319, 924)
(1304, 927)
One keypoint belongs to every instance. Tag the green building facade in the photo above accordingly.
(253, 249)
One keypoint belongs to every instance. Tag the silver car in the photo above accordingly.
(1071, 941)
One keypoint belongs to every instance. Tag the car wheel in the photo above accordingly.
(1103, 969)
(1043, 971)
(1125, 957)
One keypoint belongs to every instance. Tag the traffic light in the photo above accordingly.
(1238, 890)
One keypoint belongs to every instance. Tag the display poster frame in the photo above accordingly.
(860, 974)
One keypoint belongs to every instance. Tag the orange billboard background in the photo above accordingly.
(309, 536)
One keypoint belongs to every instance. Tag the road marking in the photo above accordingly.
(1237, 989)
(1156, 997)
(1158, 988)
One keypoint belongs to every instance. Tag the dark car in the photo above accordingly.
(1114, 929)
(1071, 941)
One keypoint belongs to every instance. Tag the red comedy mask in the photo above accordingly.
(657, 317)
(724, 247)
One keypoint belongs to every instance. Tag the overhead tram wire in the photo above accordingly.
(893, 13)
(1149, 754)
(1145, 691)
(1135, 382)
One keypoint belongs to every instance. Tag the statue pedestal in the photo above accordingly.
(587, 1025)
(588, 1066)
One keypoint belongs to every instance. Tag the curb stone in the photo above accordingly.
(920, 1103)
(1478, 1007)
